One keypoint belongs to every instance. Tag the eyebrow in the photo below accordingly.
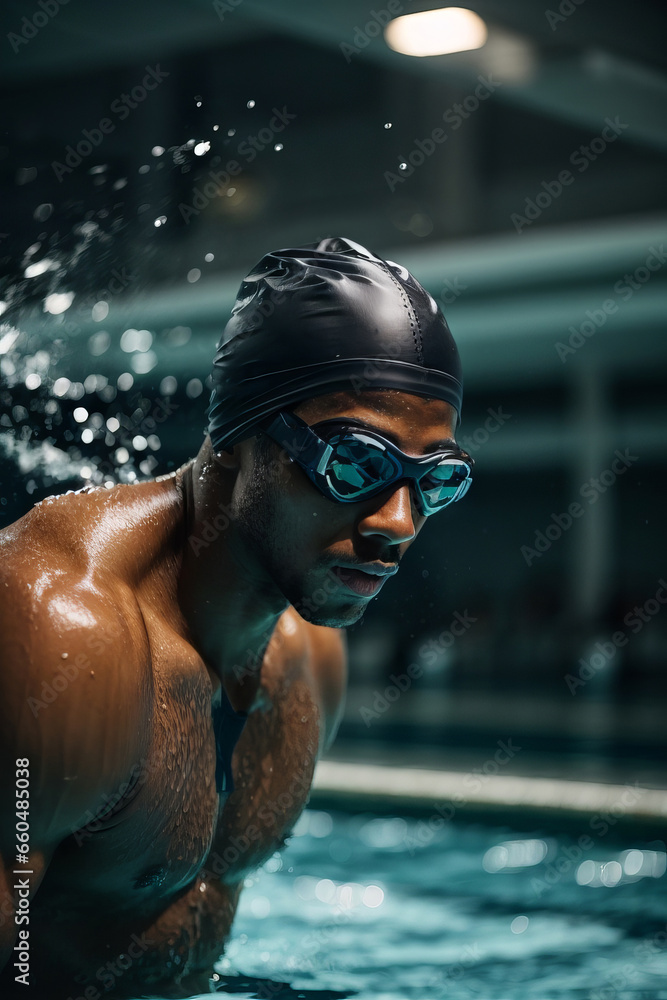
(446, 442)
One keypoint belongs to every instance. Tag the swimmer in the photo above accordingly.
(172, 652)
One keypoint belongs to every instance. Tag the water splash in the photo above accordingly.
(44, 459)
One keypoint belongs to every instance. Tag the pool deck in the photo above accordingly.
(546, 789)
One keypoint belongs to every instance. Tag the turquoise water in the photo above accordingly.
(391, 908)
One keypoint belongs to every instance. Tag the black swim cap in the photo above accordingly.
(322, 317)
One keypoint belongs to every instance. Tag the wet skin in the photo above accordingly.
(123, 612)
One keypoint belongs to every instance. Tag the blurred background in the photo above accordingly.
(151, 153)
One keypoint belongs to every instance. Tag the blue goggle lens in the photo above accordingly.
(447, 482)
(355, 468)
(359, 468)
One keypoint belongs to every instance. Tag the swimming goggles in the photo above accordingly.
(348, 464)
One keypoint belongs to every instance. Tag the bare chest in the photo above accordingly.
(167, 824)
(162, 874)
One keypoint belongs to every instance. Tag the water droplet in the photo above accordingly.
(402, 166)
(42, 212)
(215, 128)
(250, 104)
(208, 257)
(194, 274)
(135, 340)
(160, 221)
(157, 150)
(387, 125)
(100, 311)
(202, 147)
(39, 267)
(144, 168)
(58, 302)
(278, 146)
(99, 342)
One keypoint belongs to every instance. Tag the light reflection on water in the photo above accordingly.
(402, 918)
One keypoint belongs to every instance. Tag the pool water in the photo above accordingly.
(391, 908)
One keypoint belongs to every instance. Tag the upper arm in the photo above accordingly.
(328, 662)
(69, 712)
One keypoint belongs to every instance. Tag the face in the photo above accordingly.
(308, 544)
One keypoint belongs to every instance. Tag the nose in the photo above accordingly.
(391, 515)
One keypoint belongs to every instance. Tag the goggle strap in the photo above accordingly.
(297, 441)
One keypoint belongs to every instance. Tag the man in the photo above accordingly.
(150, 631)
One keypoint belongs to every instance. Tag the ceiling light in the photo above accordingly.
(436, 32)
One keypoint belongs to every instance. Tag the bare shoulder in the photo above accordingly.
(75, 689)
(323, 652)
(60, 522)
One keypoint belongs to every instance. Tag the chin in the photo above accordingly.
(333, 617)
(322, 602)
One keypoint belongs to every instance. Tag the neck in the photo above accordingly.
(229, 603)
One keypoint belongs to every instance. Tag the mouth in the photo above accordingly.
(359, 582)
